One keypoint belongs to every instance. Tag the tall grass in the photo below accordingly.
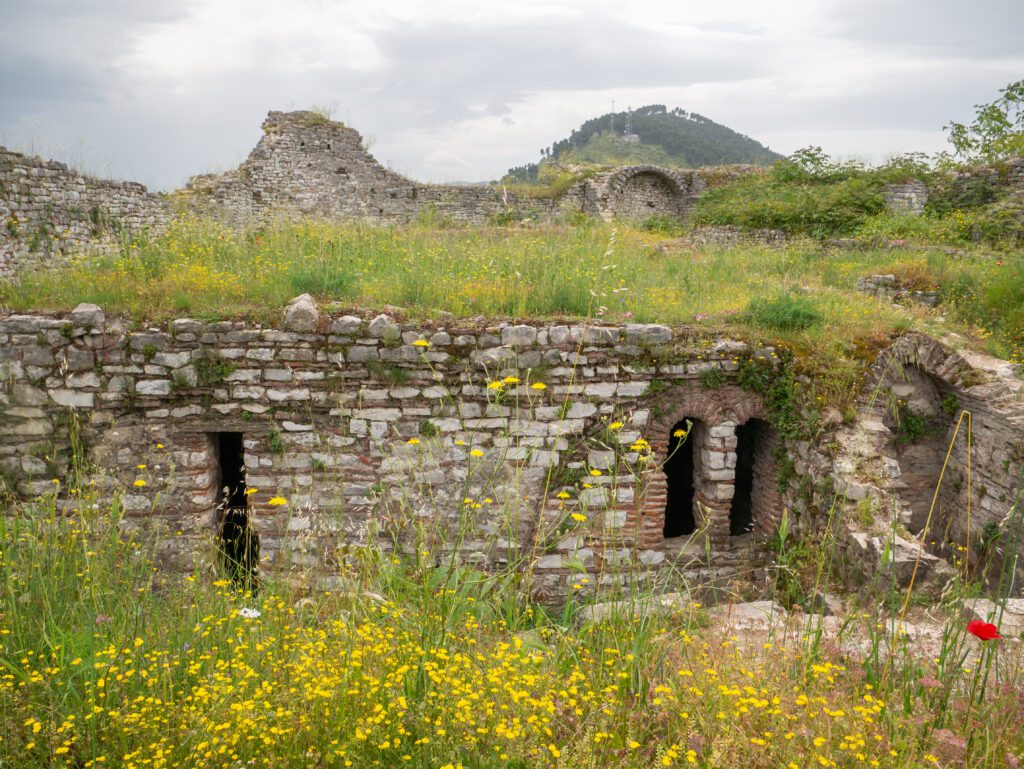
(417, 658)
(201, 269)
(420, 654)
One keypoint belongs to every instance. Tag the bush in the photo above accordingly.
(663, 225)
(786, 312)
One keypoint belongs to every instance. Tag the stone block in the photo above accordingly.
(603, 390)
(596, 335)
(648, 334)
(87, 315)
(613, 519)
(301, 314)
(153, 387)
(346, 325)
(631, 389)
(79, 360)
(518, 336)
(382, 327)
(88, 379)
(362, 354)
(295, 394)
(559, 335)
(73, 398)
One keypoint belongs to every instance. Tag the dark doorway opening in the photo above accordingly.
(678, 467)
(741, 512)
(231, 470)
(239, 542)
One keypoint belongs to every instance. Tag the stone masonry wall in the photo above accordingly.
(906, 198)
(307, 166)
(376, 431)
(967, 404)
(47, 211)
(303, 166)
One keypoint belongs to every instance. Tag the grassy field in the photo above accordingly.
(105, 663)
(204, 270)
(415, 661)
(802, 296)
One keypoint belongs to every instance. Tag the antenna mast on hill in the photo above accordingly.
(629, 120)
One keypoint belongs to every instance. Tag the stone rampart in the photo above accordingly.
(48, 211)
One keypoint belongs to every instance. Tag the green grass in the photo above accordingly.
(413, 661)
(204, 270)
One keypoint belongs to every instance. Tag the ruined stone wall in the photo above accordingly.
(889, 461)
(305, 165)
(907, 198)
(376, 431)
(47, 211)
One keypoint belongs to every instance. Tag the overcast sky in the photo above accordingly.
(159, 90)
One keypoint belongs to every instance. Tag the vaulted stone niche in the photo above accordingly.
(646, 194)
(936, 403)
(922, 416)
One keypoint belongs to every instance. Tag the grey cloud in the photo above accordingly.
(62, 50)
(443, 68)
(968, 29)
(57, 58)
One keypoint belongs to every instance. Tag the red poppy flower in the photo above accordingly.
(983, 630)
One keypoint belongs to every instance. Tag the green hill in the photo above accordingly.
(652, 134)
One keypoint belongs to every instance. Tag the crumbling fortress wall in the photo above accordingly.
(303, 166)
(48, 211)
(307, 166)
(554, 448)
(544, 442)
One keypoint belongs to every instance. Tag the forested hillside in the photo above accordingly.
(651, 134)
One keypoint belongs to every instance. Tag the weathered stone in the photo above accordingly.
(382, 327)
(73, 398)
(518, 336)
(153, 387)
(346, 325)
(301, 314)
(647, 334)
(87, 315)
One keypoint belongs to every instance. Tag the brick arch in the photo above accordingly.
(930, 355)
(718, 412)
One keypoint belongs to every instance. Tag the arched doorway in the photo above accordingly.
(755, 499)
(646, 194)
(680, 486)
